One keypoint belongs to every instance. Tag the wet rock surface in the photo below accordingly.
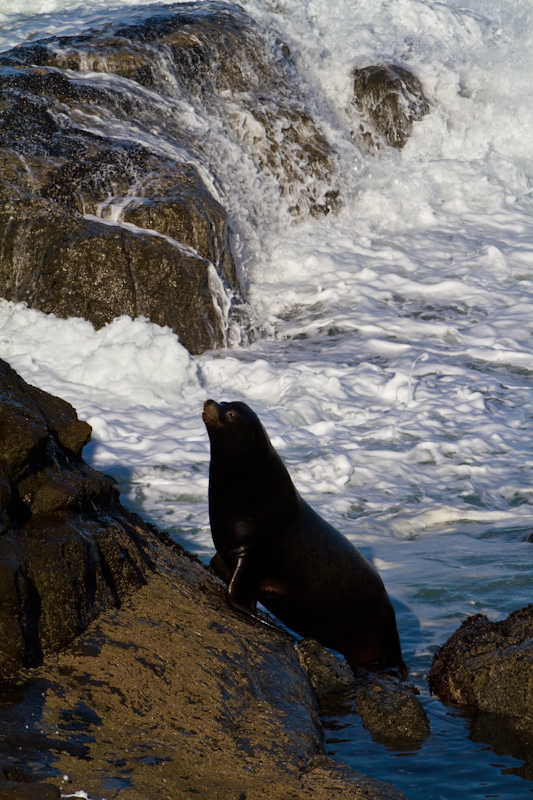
(61, 253)
(388, 708)
(96, 224)
(12, 790)
(172, 695)
(488, 667)
(389, 99)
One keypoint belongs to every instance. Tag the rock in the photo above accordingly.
(172, 263)
(327, 671)
(97, 225)
(488, 666)
(173, 695)
(221, 62)
(392, 712)
(87, 268)
(56, 259)
(389, 709)
(389, 99)
(68, 549)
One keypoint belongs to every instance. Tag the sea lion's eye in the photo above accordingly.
(231, 416)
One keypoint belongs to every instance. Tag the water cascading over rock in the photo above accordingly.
(113, 145)
(389, 99)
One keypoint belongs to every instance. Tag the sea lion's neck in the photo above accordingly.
(248, 484)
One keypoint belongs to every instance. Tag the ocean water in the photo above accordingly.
(393, 364)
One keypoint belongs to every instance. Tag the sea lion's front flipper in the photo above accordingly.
(243, 589)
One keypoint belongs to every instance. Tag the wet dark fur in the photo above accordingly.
(273, 548)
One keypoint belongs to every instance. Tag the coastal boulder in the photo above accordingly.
(389, 98)
(488, 667)
(64, 249)
(174, 695)
(68, 549)
(115, 192)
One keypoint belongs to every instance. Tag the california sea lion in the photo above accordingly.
(273, 548)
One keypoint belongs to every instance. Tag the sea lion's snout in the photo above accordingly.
(210, 415)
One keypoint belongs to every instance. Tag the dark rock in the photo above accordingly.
(67, 547)
(389, 99)
(488, 666)
(327, 671)
(392, 712)
(86, 268)
(175, 695)
(389, 709)
(55, 259)
(98, 226)
(218, 59)
(175, 203)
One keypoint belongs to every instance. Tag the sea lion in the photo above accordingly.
(272, 547)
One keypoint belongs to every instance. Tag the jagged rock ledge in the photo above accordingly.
(112, 143)
(159, 692)
(68, 549)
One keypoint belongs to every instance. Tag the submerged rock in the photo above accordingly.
(389, 709)
(488, 666)
(389, 99)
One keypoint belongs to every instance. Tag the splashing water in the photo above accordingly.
(393, 366)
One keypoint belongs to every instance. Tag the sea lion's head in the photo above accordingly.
(245, 471)
(220, 415)
(235, 428)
